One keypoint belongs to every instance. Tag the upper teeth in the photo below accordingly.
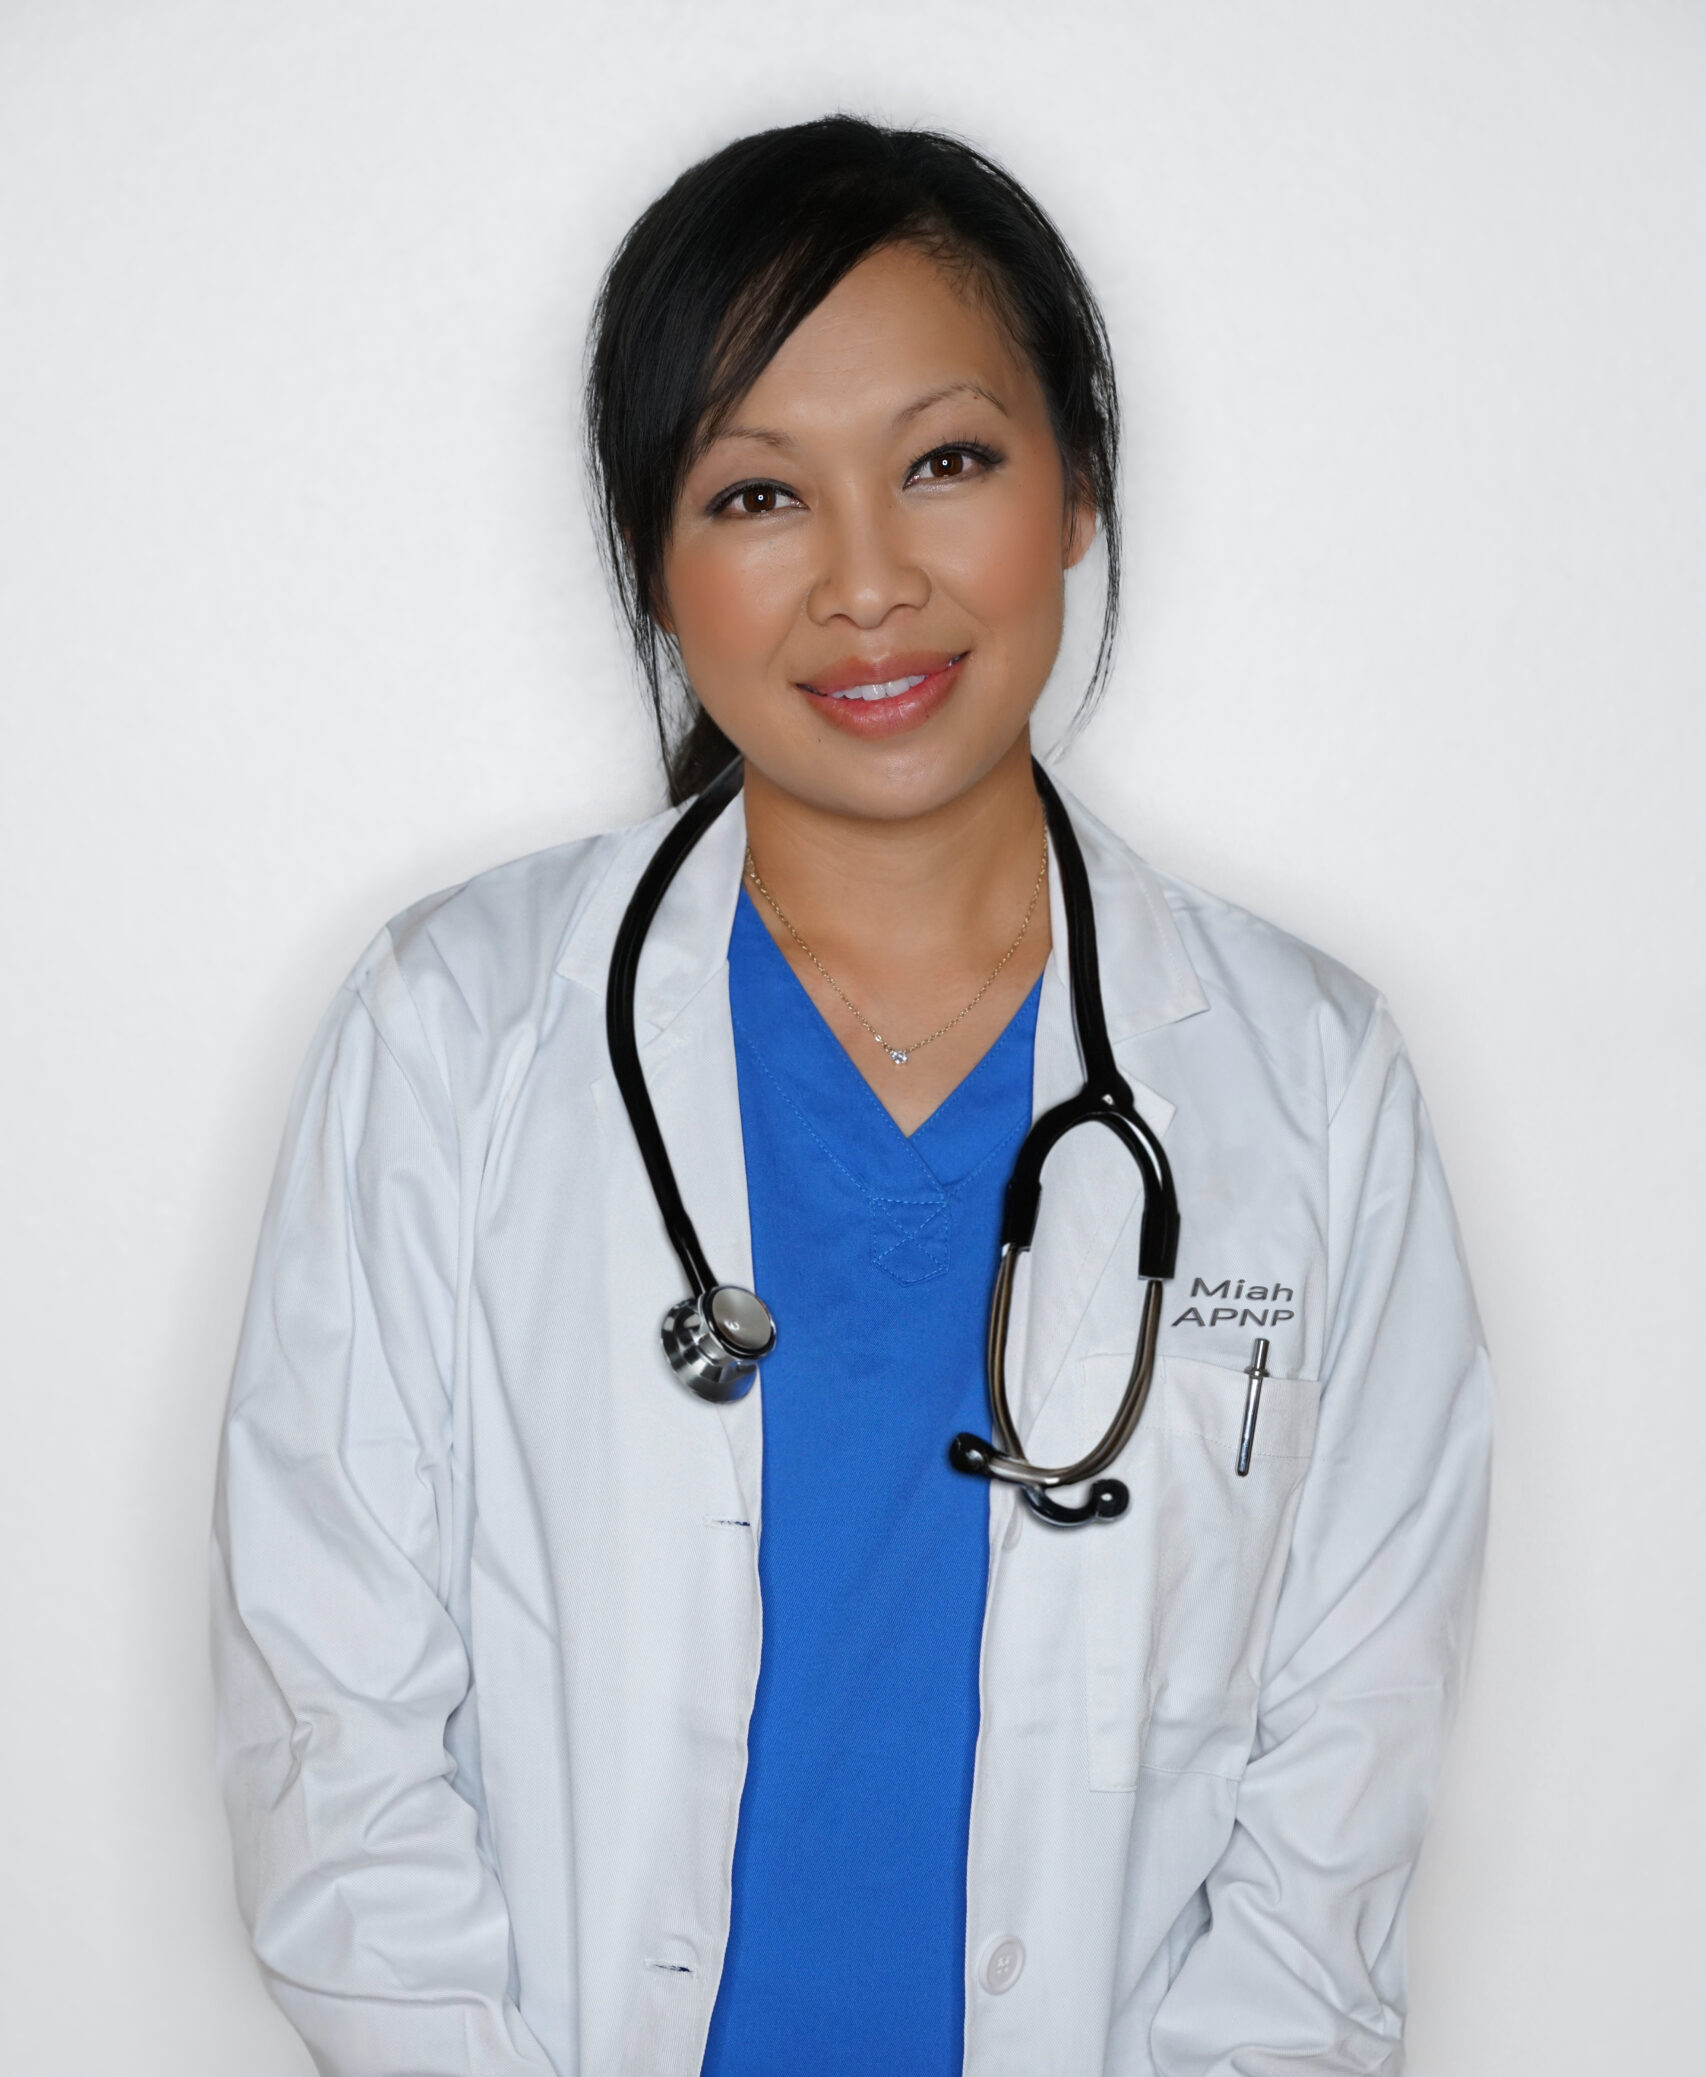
(891, 688)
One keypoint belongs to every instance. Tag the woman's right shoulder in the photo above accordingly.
(480, 959)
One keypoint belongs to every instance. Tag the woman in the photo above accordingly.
(514, 1785)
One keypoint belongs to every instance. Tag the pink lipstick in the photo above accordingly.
(881, 696)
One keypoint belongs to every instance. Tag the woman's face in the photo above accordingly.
(866, 574)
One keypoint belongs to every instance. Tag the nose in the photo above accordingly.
(866, 569)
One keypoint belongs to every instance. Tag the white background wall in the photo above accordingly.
(299, 617)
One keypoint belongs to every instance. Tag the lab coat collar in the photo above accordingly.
(1147, 976)
(688, 942)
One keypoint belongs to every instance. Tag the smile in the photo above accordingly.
(854, 698)
(901, 675)
(890, 688)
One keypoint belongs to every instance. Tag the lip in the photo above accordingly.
(934, 674)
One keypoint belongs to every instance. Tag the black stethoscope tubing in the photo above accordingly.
(717, 1336)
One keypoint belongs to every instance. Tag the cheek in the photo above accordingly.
(1008, 570)
(730, 604)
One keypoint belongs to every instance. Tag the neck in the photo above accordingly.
(934, 890)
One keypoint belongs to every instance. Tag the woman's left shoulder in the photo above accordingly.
(1307, 1011)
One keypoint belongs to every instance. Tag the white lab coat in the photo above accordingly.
(487, 1617)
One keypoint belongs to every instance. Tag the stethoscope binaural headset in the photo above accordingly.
(716, 1338)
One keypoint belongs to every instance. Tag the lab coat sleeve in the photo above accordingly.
(378, 1920)
(1301, 1968)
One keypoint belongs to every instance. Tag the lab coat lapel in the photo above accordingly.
(1091, 1188)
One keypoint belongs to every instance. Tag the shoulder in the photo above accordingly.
(1311, 1014)
(1307, 1012)
(473, 962)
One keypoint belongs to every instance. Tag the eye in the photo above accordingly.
(956, 464)
(753, 500)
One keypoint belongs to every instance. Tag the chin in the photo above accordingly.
(889, 779)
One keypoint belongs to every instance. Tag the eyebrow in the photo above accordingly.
(765, 434)
(950, 389)
(769, 437)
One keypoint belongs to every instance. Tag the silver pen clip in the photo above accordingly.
(1257, 1371)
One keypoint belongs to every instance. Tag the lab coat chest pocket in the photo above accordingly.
(1180, 1592)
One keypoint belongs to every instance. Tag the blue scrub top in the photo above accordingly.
(876, 1253)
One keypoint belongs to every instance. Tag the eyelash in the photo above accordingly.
(975, 450)
(987, 456)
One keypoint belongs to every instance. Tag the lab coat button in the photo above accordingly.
(1003, 1958)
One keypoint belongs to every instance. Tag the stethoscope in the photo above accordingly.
(716, 1338)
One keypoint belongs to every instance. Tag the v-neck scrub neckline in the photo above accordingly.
(773, 996)
(875, 1250)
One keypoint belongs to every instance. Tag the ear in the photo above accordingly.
(1080, 532)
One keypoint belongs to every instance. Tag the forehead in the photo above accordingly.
(898, 327)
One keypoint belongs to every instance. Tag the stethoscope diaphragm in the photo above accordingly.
(716, 1341)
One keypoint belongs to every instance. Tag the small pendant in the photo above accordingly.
(897, 1056)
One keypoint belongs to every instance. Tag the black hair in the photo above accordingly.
(724, 265)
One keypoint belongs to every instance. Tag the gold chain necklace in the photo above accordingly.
(900, 1055)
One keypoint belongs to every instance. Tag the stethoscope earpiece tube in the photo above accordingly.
(1002, 1460)
(1101, 1077)
(1105, 1089)
(716, 1337)
(1105, 1100)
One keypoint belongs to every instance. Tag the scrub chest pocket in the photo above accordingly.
(1180, 1593)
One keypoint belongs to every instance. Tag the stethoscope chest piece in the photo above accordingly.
(716, 1341)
